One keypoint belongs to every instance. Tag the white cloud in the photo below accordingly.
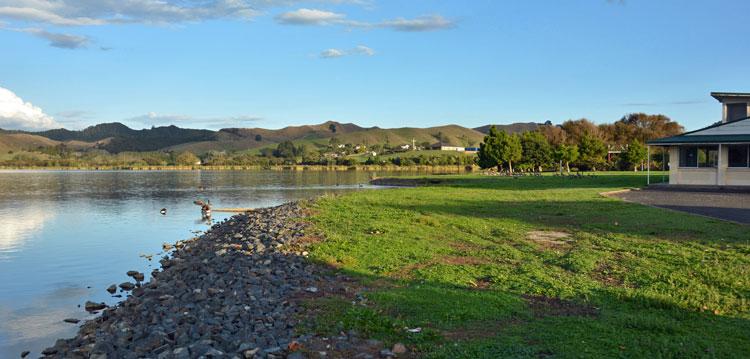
(63, 41)
(335, 53)
(155, 119)
(332, 53)
(422, 23)
(309, 17)
(101, 12)
(15, 114)
(315, 17)
(364, 50)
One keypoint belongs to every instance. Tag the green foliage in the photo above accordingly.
(536, 151)
(635, 155)
(565, 154)
(592, 152)
(288, 150)
(186, 159)
(498, 149)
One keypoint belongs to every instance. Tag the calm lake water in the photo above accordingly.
(67, 235)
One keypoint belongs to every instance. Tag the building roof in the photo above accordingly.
(720, 96)
(729, 132)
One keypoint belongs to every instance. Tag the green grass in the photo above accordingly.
(454, 259)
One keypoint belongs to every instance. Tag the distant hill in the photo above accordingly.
(246, 139)
(512, 128)
(117, 137)
(16, 141)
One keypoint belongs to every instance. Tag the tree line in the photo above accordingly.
(576, 142)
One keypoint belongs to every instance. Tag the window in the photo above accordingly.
(699, 156)
(688, 156)
(738, 155)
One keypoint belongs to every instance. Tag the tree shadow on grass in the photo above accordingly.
(526, 182)
(600, 216)
(458, 321)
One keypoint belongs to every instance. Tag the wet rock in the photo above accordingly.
(231, 292)
(93, 307)
(25, 353)
(71, 320)
(49, 351)
(112, 289)
(386, 353)
(127, 286)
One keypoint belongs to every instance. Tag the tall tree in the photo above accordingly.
(555, 135)
(592, 151)
(536, 151)
(510, 149)
(635, 155)
(644, 127)
(498, 149)
(565, 154)
(489, 151)
(578, 129)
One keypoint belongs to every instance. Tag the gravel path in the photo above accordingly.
(235, 292)
(732, 206)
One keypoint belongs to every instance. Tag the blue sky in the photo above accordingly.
(273, 63)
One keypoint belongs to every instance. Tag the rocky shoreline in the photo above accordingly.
(234, 292)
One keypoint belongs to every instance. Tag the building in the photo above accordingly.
(717, 155)
(449, 148)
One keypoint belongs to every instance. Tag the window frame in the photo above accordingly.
(708, 149)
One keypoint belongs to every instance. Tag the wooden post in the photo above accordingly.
(648, 165)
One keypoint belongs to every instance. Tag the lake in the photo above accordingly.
(67, 235)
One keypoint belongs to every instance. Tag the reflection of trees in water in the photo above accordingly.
(119, 185)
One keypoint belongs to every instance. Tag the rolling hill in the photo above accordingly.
(247, 139)
(117, 137)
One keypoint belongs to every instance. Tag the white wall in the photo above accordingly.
(706, 176)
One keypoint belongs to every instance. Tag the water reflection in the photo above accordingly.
(66, 236)
(19, 224)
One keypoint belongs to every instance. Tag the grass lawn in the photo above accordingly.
(457, 259)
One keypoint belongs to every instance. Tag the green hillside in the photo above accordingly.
(117, 137)
(247, 139)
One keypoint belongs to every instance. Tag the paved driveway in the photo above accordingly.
(732, 206)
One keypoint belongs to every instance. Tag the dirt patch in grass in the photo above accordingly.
(549, 239)
(605, 273)
(543, 306)
(310, 239)
(479, 330)
(464, 247)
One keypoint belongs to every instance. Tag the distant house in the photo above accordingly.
(715, 155)
(404, 147)
(471, 149)
(448, 148)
